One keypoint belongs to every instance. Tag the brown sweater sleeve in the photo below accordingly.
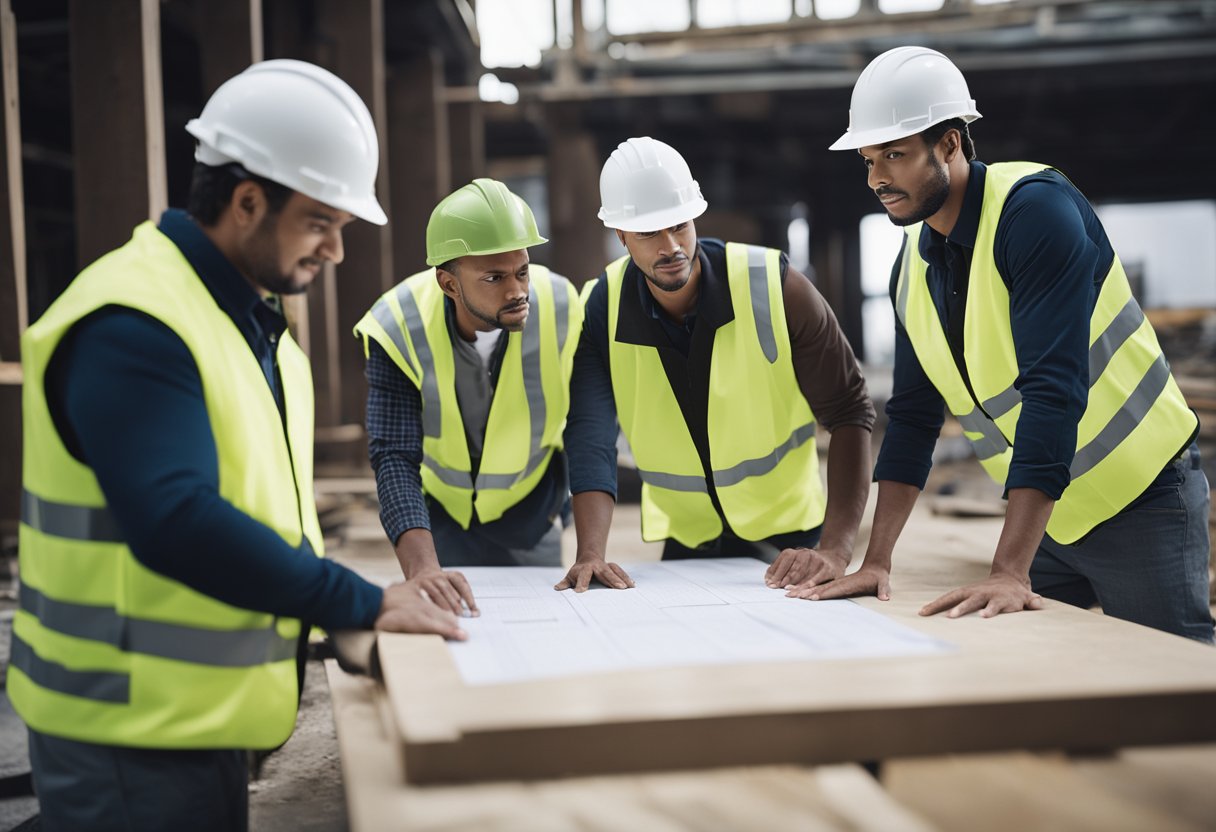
(824, 364)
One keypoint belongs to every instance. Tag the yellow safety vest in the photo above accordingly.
(761, 429)
(531, 398)
(106, 650)
(1136, 419)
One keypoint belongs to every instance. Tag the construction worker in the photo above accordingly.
(468, 369)
(720, 361)
(1014, 312)
(169, 538)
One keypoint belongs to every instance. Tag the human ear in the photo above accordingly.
(447, 283)
(247, 204)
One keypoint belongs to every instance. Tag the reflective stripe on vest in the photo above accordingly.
(409, 337)
(992, 442)
(73, 522)
(1132, 396)
(106, 650)
(218, 648)
(759, 496)
(99, 685)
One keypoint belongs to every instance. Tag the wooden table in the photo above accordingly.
(1059, 678)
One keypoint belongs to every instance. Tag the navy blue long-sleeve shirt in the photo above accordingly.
(126, 396)
(1053, 255)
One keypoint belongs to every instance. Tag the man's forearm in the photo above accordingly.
(895, 503)
(848, 487)
(1025, 524)
(415, 551)
(592, 519)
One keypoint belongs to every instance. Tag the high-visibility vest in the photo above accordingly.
(1136, 419)
(106, 650)
(531, 398)
(760, 427)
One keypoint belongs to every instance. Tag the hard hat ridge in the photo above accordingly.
(902, 92)
(298, 125)
(645, 185)
(483, 217)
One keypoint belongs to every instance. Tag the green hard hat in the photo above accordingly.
(483, 217)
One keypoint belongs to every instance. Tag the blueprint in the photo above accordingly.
(712, 611)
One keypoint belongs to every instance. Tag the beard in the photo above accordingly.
(494, 320)
(670, 284)
(263, 262)
(929, 198)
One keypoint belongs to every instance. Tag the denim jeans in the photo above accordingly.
(1148, 563)
(82, 786)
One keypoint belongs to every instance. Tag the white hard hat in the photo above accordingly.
(299, 125)
(902, 92)
(646, 186)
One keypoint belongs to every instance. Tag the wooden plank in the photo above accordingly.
(1019, 791)
(982, 697)
(118, 123)
(729, 800)
(14, 304)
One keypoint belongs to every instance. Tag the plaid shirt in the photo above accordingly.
(394, 438)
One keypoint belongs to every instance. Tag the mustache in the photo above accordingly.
(514, 307)
(671, 261)
(888, 191)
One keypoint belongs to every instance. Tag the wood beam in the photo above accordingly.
(577, 237)
(118, 122)
(354, 49)
(14, 306)
(467, 139)
(230, 36)
(418, 131)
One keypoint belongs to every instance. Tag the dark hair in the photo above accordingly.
(211, 190)
(449, 266)
(933, 135)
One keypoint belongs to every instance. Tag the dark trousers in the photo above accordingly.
(106, 788)
(729, 545)
(1148, 563)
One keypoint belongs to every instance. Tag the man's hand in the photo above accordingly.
(868, 580)
(580, 575)
(1001, 592)
(446, 590)
(814, 566)
(406, 610)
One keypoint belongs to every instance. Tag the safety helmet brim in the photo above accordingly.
(526, 244)
(365, 208)
(657, 220)
(881, 135)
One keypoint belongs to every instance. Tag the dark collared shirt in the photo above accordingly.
(1053, 255)
(394, 441)
(824, 365)
(127, 397)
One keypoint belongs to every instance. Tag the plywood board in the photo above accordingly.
(824, 799)
(1057, 678)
